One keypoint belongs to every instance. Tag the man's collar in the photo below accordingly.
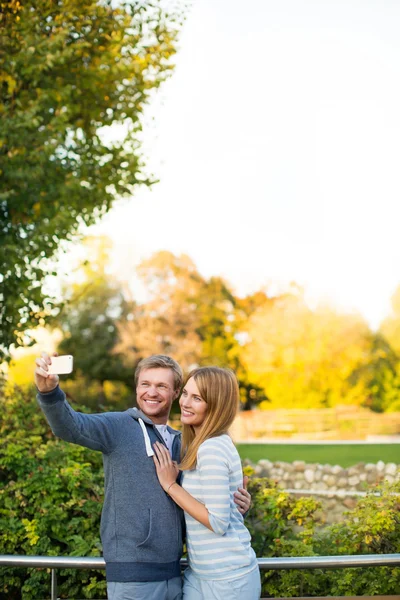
(136, 414)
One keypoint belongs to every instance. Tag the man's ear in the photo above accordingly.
(176, 394)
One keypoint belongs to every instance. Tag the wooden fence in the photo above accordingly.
(339, 423)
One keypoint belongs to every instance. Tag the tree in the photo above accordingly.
(92, 307)
(381, 370)
(304, 358)
(390, 327)
(69, 71)
(379, 374)
(195, 320)
(167, 322)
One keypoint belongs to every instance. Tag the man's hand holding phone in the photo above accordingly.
(48, 368)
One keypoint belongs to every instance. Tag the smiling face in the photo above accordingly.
(193, 406)
(155, 393)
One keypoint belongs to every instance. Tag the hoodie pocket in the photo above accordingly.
(146, 531)
(164, 541)
(134, 534)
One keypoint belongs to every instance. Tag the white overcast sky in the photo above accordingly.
(277, 146)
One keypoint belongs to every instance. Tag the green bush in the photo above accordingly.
(51, 498)
(282, 525)
(50, 502)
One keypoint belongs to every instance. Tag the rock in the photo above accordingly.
(299, 465)
(337, 469)
(370, 467)
(391, 469)
(321, 485)
(352, 471)
(266, 464)
(342, 482)
(380, 465)
(309, 475)
(354, 480)
(349, 502)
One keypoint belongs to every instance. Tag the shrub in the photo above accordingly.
(50, 501)
(285, 526)
(51, 498)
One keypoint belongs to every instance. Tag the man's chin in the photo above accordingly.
(153, 410)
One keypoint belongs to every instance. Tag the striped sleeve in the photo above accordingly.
(214, 467)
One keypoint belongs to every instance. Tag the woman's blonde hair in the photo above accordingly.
(219, 389)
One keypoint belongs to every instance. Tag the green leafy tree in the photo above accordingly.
(390, 328)
(88, 321)
(69, 71)
(222, 315)
(215, 309)
(379, 374)
(391, 389)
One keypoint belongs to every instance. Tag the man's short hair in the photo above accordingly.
(160, 361)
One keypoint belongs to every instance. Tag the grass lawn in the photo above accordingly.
(344, 455)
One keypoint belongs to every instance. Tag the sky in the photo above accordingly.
(277, 147)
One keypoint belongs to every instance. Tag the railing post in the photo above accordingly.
(53, 584)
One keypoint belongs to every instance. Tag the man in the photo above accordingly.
(141, 526)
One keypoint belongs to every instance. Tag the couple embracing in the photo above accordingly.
(162, 489)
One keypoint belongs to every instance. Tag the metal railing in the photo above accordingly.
(265, 564)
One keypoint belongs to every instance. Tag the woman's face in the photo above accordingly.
(193, 407)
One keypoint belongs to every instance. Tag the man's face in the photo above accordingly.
(155, 393)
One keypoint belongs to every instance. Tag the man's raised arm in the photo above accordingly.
(92, 431)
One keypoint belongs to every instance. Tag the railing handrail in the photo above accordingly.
(266, 564)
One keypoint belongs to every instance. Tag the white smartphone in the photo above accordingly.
(61, 365)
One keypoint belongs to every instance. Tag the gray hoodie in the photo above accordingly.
(141, 526)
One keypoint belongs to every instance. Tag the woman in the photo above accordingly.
(222, 563)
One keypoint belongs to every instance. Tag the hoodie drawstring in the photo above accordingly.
(149, 449)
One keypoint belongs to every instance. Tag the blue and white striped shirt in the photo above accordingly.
(225, 552)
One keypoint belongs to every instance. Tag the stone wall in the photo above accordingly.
(336, 487)
(299, 475)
